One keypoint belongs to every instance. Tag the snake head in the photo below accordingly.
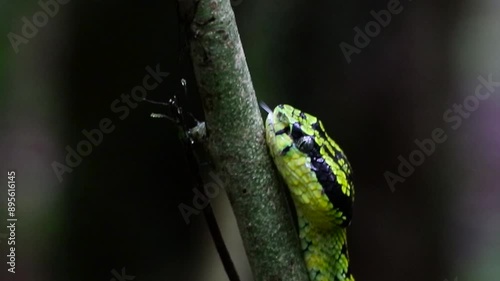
(313, 166)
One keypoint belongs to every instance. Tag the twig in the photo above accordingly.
(235, 140)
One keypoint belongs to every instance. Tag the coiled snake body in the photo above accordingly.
(318, 176)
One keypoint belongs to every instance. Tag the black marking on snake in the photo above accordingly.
(324, 174)
(302, 115)
(331, 187)
(286, 149)
(338, 154)
(296, 131)
(285, 130)
(317, 127)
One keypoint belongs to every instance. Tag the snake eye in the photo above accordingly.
(305, 143)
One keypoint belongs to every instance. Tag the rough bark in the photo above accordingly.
(236, 141)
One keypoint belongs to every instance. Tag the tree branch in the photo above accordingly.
(236, 141)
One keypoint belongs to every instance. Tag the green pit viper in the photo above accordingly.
(318, 176)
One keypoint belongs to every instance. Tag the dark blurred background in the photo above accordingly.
(115, 216)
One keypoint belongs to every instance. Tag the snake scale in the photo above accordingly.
(319, 178)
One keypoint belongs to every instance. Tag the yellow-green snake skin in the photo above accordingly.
(318, 175)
